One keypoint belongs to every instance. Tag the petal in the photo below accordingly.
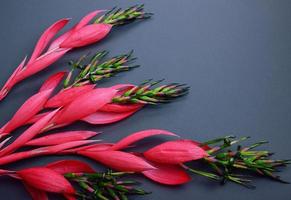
(100, 117)
(35, 193)
(31, 107)
(135, 137)
(60, 138)
(46, 180)
(11, 81)
(119, 108)
(87, 35)
(119, 160)
(46, 38)
(66, 96)
(93, 147)
(85, 105)
(41, 63)
(30, 133)
(37, 117)
(82, 23)
(168, 174)
(68, 145)
(50, 150)
(175, 152)
(53, 81)
(70, 166)
(86, 20)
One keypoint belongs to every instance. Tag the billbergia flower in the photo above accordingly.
(74, 180)
(47, 51)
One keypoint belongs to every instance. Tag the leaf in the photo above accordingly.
(168, 174)
(60, 138)
(46, 38)
(175, 152)
(52, 82)
(30, 133)
(66, 96)
(119, 160)
(30, 107)
(46, 180)
(85, 105)
(135, 137)
(86, 35)
(70, 166)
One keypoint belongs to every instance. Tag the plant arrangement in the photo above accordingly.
(68, 97)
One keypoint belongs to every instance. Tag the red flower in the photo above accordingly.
(46, 179)
(61, 138)
(175, 152)
(118, 160)
(168, 174)
(85, 105)
(87, 35)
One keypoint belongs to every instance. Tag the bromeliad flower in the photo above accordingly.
(81, 34)
(74, 180)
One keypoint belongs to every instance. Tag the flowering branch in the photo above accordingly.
(117, 16)
(82, 34)
(145, 94)
(97, 70)
(104, 185)
(224, 161)
(75, 180)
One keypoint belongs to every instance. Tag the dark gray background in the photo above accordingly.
(235, 55)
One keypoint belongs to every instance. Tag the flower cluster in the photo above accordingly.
(81, 99)
(47, 51)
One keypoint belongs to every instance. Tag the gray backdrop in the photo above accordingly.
(235, 55)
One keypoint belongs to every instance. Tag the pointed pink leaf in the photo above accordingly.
(70, 166)
(68, 145)
(46, 180)
(66, 96)
(175, 152)
(119, 160)
(85, 20)
(35, 193)
(85, 105)
(60, 138)
(53, 81)
(135, 137)
(31, 107)
(86, 35)
(168, 174)
(40, 63)
(36, 117)
(46, 37)
(11, 81)
(118, 108)
(92, 147)
(50, 150)
(100, 117)
(30, 133)
(82, 23)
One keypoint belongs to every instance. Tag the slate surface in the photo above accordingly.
(235, 55)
